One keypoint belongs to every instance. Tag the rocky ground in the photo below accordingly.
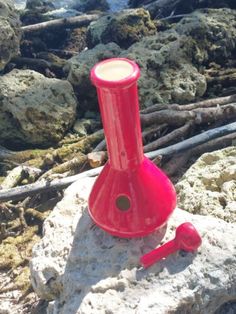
(50, 126)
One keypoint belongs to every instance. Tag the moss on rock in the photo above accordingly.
(124, 28)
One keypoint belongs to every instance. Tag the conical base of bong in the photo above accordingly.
(132, 203)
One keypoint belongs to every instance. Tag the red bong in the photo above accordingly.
(131, 197)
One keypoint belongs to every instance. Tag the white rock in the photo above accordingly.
(209, 186)
(87, 271)
(35, 109)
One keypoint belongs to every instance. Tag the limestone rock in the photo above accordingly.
(85, 270)
(167, 71)
(215, 33)
(171, 61)
(79, 68)
(10, 32)
(34, 109)
(123, 28)
(209, 186)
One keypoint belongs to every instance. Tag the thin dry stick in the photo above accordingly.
(200, 104)
(154, 129)
(210, 103)
(200, 115)
(158, 107)
(171, 117)
(73, 164)
(71, 22)
(101, 146)
(174, 135)
(194, 141)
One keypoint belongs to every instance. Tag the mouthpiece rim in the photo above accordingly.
(99, 73)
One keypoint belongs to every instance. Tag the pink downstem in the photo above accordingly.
(159, 253)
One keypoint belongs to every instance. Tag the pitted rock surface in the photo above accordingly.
(79, 68)
(170, 61)
(30, 116)
(123, 28)
(85, 270)
(10, 32)
(209, 186)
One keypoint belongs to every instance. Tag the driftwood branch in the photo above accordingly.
(149, 132)
(199, 115)
(71, 22)
(59, 184)
(200, 104)
(194, 141)
(174, 135)
(101, 146)
(21, 192)
(210, 103)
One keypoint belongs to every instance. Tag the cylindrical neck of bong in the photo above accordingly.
(120, 116)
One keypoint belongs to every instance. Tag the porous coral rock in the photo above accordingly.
(85, 270)
(171, 61)
(123, 28)
(10, 32)
(79, 68)
(34, 109)
(209, 186)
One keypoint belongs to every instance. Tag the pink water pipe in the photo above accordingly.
(131, 197)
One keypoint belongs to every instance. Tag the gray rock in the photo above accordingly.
(34, 109)
(123, 28)
(170, 62)
(209, 186)
(214, 31)
(10, 32)
(79, 68)
(85, 270)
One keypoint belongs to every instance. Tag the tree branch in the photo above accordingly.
(193, 141)
(71, 22)
(199, 115)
